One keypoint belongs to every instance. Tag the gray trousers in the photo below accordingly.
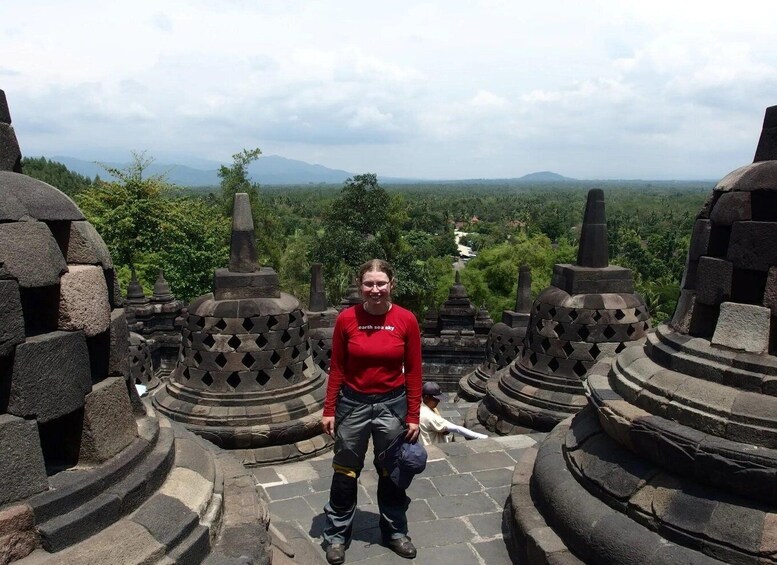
(357, 417)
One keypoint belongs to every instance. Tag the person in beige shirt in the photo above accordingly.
(434, 428)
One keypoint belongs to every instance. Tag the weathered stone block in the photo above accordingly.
(743, 326)
(18, 537)
(681, 320)
(229, 285)
(713, 280)
(582, 280)
(5, 114)
(769, 539)
(83, 300)
(25, 240)
(114, 289)
(11, 317)
(118, 362)
(10, 154)
(22, 470)
(704, 213)
(85, 246)
(700, 239)
(25, 196)
(165, 518)
(731, 207)
(109, 425)
(753, 245)
(770, 291)
(756, 176)
(50, 376)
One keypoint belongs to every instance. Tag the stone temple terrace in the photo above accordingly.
(611, 440)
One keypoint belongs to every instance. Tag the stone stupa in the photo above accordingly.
(589, 313)
(453, 341)
(352, 296)
(87, 473)
(505, 341)
(245, 378)
(158, 320)
(675, 461)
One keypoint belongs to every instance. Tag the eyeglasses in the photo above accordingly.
(381, 285)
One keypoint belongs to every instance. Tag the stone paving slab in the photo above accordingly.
(456, 514)
(488, 525)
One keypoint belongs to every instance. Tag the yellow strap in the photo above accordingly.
(348, 472)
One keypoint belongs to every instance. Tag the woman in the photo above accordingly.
(374, 389)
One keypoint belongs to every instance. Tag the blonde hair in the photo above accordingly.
(376, 265)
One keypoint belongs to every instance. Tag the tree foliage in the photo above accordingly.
(146, 224)
(151, 224)
(491, 278)
(56, 174)
(366, 222)
(235, 179)
(355, 228)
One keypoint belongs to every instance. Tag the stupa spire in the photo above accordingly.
(162, 292)
(523, 294)
(767, 143)
(242, 248)
(592, 251)
(317, 293)
(135, 293)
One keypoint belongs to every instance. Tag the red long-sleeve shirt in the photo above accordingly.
(376, 354)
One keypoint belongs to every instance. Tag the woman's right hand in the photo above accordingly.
(328, 423)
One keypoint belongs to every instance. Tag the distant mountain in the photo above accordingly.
(276, 170)
(268, 169)
(544, 176)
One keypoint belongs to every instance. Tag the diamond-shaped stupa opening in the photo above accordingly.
(233, 380)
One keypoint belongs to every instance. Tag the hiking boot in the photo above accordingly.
(335, 553)
(402, 547)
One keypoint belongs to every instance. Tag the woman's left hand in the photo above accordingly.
(412, 433)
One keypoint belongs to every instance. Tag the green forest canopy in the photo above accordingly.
(150, 224)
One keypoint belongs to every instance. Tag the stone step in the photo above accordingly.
(598, 533)
(696, 357)
(72, 488)
(702, 348)
(303, 548)
(178, 510)
(548, 382)
(99, 512)
(531, 537)
(546, 399)
(194, 548)
(123, 543)
(245, 518)
(508, 415)
(705, 405)
(709, 459)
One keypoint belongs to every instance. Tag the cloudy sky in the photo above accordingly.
(435, 89)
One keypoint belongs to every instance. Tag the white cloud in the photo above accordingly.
(486, 99)
(431, 88)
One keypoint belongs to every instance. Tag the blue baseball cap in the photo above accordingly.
(432, 389)
(403, 461)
